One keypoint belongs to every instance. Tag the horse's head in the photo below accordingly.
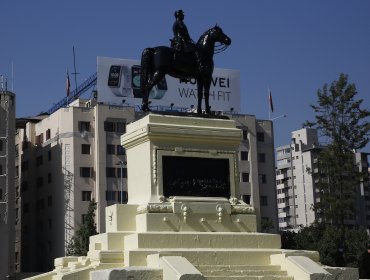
(219, 36)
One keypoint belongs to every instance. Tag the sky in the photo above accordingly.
(292, 47)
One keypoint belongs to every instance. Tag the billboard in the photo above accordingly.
(118, 82)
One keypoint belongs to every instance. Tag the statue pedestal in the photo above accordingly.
(181, 156)
(183, 219)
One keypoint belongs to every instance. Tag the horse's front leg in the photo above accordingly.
(207, 86)
(200, 95)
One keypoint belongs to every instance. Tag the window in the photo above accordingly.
(1, 145)
(1, 169)
(1, 194)
(261, 157)
(245, 134)
(264, 200)
(49, 155)
(39, 139)
(262, 178)
(121, 127)
(260, 137)
(122, 196)
(47, 134)
(246, 198)
(244, 177)
(39, 160)
(124, 172)
(83, 126)
(86, 195)
(110, 195)
(111, 149)
(49, 177)
(109, 126)
(86, 172)
(244, 155)
(111, 172)
(85, 149)
(120, 150)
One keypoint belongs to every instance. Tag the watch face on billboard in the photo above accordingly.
(114, 76)
(135, 82)
(162, 85)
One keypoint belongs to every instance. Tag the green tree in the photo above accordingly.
(343, 125)
(79, 244)
(344, 128)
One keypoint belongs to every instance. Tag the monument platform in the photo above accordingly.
(183, 219)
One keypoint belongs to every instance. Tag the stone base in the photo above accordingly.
(214, 240)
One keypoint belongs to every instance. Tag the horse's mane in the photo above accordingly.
(205, 33)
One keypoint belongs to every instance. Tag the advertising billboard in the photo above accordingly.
(118, 82)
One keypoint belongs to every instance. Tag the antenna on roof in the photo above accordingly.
(74, 65)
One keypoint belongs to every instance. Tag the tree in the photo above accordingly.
(79, 244)
(344, 126)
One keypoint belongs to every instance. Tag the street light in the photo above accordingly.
(121, 164)
(278, 117)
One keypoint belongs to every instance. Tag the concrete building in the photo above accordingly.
(256, 165)
(74, 155)
(296, 166)
(7, 173)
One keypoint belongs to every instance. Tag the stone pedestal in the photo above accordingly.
(183, 221)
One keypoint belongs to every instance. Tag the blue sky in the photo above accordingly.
(293, 47)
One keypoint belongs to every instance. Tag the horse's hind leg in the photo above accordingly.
(207, 85)
(155, 79)
(200, 95)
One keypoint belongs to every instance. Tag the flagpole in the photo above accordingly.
(268, 103)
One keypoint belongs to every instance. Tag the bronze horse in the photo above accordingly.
(158, 61)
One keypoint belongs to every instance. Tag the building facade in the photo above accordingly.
(7, 173)
(74, 155)
(296, 169)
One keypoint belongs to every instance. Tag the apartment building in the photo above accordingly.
(7, 132)
(256, 166)
(65, 160)
(74, 155)
(296, 167)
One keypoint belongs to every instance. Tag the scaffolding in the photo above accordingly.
(68, 197)
(4, 134)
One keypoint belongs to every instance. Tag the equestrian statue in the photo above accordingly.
(184, 60)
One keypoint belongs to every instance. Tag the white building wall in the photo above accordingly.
(296, 162)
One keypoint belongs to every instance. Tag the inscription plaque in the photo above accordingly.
(195, 176)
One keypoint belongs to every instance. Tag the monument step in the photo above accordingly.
(272, 268)
(214, 240)
(242, 272)
(205, 256)
(249, 277)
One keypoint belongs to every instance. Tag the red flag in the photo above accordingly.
(68, 84)
(270, 102)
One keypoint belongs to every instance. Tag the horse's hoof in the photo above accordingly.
(145, 107)
(199, 112)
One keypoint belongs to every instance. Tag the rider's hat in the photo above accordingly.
(178, 13)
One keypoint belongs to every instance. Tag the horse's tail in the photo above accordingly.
(146, 69)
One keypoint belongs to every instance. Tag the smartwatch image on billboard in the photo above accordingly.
(119, 80)
(158, 90)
